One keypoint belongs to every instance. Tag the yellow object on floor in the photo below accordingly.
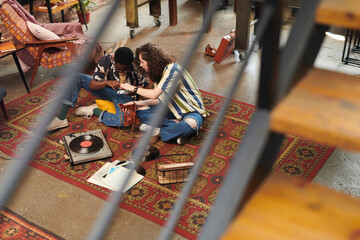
(106, 105)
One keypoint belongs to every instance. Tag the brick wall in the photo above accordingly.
(70, 15)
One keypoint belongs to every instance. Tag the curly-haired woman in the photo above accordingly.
(186, 109)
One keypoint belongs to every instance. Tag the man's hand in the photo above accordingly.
(113, 84)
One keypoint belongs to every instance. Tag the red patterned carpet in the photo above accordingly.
(149, 199)
(13, 226)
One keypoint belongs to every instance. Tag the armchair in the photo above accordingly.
(44, 53)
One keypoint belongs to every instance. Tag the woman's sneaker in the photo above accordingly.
(145, 128)
(183, 140)
(86, 111)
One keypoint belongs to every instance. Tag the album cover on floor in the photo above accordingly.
(111, 175)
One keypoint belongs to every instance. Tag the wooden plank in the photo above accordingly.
(341, 13)
(58, 8)
(324, 107)
(287, 208)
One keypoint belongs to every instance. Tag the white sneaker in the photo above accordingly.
(56, 123)
(182, 140)
(145, 128)
(86, 111)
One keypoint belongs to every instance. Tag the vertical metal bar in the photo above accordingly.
(355, 38)
(296, 45)
(171, 223)
(83, 13)
(49, 11)
(237, 179)
(31, 6)
(344, 59)
(16, 168)
(266, 162)
(16, 60)
(270, 58)
(62, 15)
(350, 41)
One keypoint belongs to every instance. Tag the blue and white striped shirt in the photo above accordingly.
(187, 97)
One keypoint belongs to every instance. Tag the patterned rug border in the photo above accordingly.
(30, 225)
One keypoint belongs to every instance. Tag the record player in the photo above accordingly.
(86, 146)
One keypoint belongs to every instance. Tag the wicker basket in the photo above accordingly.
(173, 172)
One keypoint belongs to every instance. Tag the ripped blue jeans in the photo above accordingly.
(107, 93)
(171, 130)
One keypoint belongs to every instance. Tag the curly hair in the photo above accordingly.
(156, 59)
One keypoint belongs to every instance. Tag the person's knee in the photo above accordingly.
(83, 81)
(192, 122)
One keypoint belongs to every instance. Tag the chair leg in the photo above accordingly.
(71, 46)
(2, 105)
(37, 63)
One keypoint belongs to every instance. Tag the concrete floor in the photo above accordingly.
(69, 211)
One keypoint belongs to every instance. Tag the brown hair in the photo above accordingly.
(156, 59)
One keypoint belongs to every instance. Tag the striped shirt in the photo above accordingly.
(187, 97)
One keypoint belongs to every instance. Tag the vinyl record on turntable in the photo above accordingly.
(86, 144)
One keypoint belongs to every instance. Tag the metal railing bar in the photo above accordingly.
(14, 172)
(237, 179)
(171, 223)
(295, 45)
(270, 57)
(110, 207)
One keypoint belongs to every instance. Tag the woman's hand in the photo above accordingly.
(129, 104)
(127, 87)
(125, 107)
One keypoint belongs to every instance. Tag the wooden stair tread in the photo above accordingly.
(325, 107)
(341, 13)
(58, 8)
(287, 208)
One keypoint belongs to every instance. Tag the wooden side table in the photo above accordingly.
(131, 10)
(59, 8)
(13, 53)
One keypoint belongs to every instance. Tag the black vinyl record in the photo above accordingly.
(86, 144)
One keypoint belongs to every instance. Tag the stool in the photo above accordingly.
(2, 103)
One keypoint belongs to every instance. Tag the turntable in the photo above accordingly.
(86, 146)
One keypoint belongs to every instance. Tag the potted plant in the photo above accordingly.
(88, 7)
